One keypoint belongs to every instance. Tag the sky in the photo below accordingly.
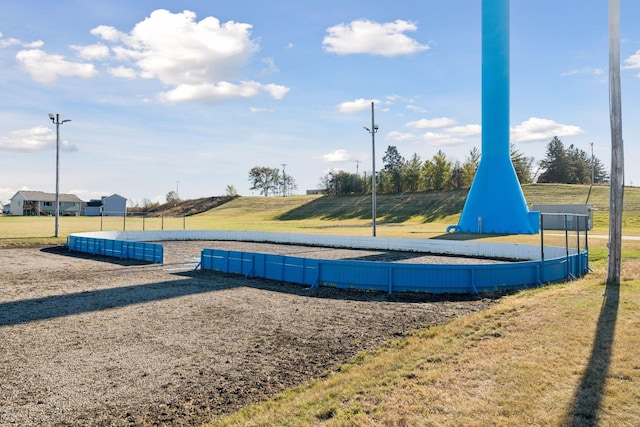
(188, 96)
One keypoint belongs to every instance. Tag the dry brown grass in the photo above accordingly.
(560, 355)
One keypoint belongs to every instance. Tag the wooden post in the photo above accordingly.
(616, 186)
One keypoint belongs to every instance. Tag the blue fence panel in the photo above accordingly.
(396, 277)
(142, 251)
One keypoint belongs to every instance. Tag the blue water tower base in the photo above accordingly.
(496, 204)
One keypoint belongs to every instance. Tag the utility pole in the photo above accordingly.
(56, 120)
(592, 175)
(372, 131)
(593, 171)
(284, 180)
(616, 186)
(357, 164)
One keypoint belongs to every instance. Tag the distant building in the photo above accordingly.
(6, 209)
(92, 208)
(114, 205)
(27, 203)
(317, 191)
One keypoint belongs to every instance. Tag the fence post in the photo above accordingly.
(542, 236)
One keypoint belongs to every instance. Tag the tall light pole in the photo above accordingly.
(372, 131)
(56, 120)
(284, 180)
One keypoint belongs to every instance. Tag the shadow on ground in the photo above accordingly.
(390, 208)
(587, 400)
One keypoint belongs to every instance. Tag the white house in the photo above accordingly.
(27, 203)
(114, 205)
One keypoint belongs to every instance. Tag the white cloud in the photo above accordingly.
(93, 51)
(336, 156)
(46, 68)
(39, 138)
(417, 109)
(16, 42)
(356, 106)
(439, 139)
(633, 61)
(199, 59)
(108, 33)
(124, 72)
(537, 129)
(211, 92)
(276, 91)
(178, 50)
(363, 36)
(587, 71)
(466, 130)
(269, 66)
(402, 137)
(431, 123)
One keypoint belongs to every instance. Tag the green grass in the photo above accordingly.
(421, 215)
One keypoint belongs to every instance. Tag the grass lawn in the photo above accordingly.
(565, 354)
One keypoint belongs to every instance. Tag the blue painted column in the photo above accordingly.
(495, 203)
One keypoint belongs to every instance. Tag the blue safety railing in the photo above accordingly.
(397, 277)
(124, 249)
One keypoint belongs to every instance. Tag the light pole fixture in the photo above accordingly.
(372, 131)
(56, 120)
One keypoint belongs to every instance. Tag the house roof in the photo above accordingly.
(41, 196)
(115, 195)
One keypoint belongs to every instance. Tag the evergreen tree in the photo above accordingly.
(456, 179)
(411, 174)
(570, 165)
(555, 164)
(600, 174)
(578, 166)
(436, 172)
(521, 164)
(392, 174)
(469, 168)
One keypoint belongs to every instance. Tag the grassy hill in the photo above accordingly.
(420, 208)
(424, 214)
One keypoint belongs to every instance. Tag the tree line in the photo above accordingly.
(568, 165)
(269, 181)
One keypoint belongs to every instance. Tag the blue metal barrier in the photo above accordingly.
(152, 252)
(397, 277)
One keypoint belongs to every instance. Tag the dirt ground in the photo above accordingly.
(102, 342)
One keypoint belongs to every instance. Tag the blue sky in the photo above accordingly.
(190, 95)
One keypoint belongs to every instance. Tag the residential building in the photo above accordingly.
(114, 205)
(29, 203)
